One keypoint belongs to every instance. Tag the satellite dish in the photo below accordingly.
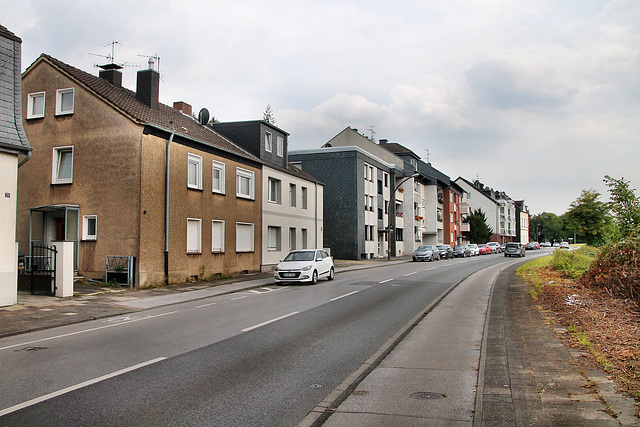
(203, 116)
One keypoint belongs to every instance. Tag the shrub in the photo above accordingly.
(573, 264)
(617, 270)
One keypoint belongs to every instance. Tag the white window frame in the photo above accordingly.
(85, 227)
(280, 146)
(217, 236)
(55, 169)
(59, 94)
(194, 247)
(245, 174)
(274, 233)
(31, 98)
(239, 246)
(268, 142)
(194, 159)
(221, 167)
(274, 191)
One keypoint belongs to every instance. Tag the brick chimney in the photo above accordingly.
(112, 74)
(148, 86)
(183, 107)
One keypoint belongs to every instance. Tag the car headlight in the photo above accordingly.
(307, 268)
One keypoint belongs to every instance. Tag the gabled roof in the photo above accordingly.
(125, 101)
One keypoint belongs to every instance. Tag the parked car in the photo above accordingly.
(426, 252)
(530, 246)
(474, 249)
(495, 247)
(461, 251)
(537, 245)
(556, 245)
(545, 244)
(514, 249)
(307, 265)
(446, 251)
(484, 249)
(564, 245)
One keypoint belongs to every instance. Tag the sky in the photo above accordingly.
(538, 98)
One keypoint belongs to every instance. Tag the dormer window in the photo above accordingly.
(268, 142)
(64, 101)
(280, 146)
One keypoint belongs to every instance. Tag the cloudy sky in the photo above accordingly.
(538, 98)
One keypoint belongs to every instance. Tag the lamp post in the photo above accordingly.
(393, 196)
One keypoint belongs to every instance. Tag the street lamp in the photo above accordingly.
(393, 196)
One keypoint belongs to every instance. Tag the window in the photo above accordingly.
(451, 217)
(194, 236)
(89, 227)
(292, 195)
(244, 237)
(386, 180)
(304, 233)
(274, 190)
(218, 177)
(62, 171)
(451, 197)
(245, 183)
(386, 207)
(399, 234)
(268, 142)
(304, 197)
(194, 172)
(380, 216)
(280, 146)
(273, 238)
(217, 236)
(292, 239)
(371, 203)
(35, 105)
(379, 186)
(64, 101)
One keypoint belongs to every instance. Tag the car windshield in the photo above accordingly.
(460, 246)
(442, 246)
(300, 256)
(424, 248)
(512, 245)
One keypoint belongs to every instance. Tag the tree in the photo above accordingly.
(479, 231)
(624, 205)
(268, 116)
(546, 227)
(590, 217)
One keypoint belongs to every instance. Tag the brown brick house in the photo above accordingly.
(98, 177)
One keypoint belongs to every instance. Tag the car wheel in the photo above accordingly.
(278, 283)
(314, 277)
(332, 274)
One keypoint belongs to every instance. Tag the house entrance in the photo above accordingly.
(55, 223)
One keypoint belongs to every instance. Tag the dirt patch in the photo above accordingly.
(605, 327)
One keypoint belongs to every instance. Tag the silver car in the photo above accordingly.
(514, 249)
(426, 252)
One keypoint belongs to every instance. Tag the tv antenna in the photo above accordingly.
(373, 132)
(113, 48)
(155, 58)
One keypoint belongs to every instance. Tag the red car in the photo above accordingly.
(484, 249)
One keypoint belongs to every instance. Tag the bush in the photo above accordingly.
(573, 264)
(617, 270)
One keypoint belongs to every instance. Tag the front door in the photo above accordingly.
(60, 229)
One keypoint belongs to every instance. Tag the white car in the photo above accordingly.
(475, 250)
(306, 265)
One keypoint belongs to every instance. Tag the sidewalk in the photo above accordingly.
(483, 356)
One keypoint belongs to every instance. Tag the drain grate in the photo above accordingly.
(424, 395)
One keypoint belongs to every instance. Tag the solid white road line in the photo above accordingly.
(345, 295)
(87, 330)
(269, 321)
(76, 387)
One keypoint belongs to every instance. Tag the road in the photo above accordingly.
(261, 357)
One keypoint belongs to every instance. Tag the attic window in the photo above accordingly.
(64, 101)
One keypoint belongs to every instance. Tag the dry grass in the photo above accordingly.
(606, 327)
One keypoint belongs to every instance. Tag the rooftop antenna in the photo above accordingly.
(111, 65)
(154, 59)
(373, 132)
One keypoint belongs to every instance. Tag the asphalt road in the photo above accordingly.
(262, 357)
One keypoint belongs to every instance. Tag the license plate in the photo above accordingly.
(288, 275)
